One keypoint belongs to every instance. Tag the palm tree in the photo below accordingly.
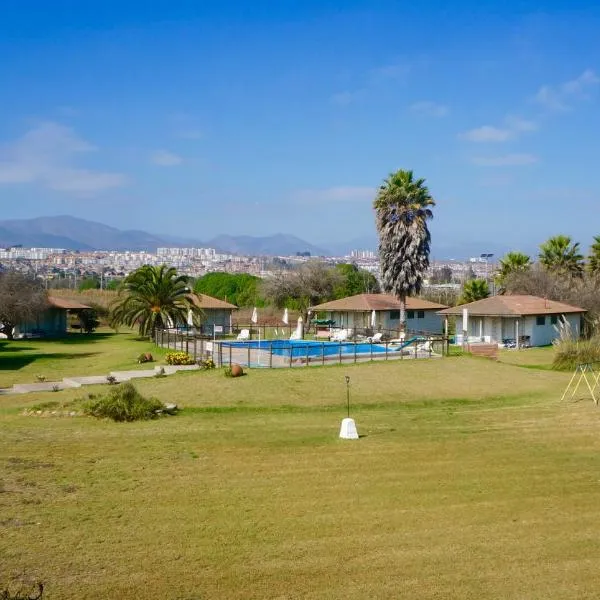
(402, 207)
(594, 257)
(154, 297)
(559, 254)
(512, 262)
(476, 289)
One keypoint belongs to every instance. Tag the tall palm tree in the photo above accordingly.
(512, 262)
(594, 257)
(476, 289)
(154, 297)
(561, 255)
(402, 208)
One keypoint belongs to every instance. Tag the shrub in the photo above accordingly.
(179, 358)
(111, 379)
(207, 363)
(570, 353)
(125, 403)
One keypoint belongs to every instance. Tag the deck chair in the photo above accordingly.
(376, 338)
(340, 336)
(244, 334)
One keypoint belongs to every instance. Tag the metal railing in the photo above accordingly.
(277, 353)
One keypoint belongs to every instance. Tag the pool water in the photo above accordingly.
(302, 348)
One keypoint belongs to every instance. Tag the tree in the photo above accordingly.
(594, 256)
(510, 263)
(313, 283)
(402, 207)
(22, 298)
(240, 289)
(152, 298)
(355, 281)
(475, 289)
(89, 283)
(88, 320)
(442, 275)
(559, 254)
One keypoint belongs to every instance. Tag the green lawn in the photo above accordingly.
(471, 480)
(21, 361)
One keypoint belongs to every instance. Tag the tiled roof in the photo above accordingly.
(513, 306)
(207, 302)
(57, 302)
(369, 302)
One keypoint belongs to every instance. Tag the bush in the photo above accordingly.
(207, 363)
(570, 353)
(125, 403)
(179, 358)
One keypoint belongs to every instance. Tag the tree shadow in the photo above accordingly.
(76, 338)
(13, 363)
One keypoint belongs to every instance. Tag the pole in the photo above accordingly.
(348, 395)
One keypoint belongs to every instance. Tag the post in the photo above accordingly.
(340, 353)
(348, 395)
(229, 354)
(446, 341)
(518, 339)
(354, 351)
(307, 355)
(271, 355)
(323, 353)
(248, 363)
(465, 327)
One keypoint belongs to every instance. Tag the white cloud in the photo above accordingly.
(561, 97)
(342, 193)
(487, 133)
(512, 128)
(429, 109)
(506, 160)
(45, 155)
(163, 158)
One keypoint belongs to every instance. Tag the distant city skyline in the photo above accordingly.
(244, 118)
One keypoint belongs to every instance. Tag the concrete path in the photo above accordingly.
(77, 382)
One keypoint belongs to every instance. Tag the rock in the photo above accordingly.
(236, 370)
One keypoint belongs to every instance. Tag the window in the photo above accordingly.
(540, 320)
(394, 315)
(553, 319)
(420, 314)
(410, 314)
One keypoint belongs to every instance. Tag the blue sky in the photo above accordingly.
(206, 117)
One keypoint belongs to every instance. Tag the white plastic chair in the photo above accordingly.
(244, 334)
(375, 339)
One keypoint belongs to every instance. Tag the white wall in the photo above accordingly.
(495, 329)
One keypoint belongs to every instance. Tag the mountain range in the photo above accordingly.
(73, 233)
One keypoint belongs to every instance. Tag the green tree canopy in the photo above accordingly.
(240, 289)
(511, 262)
(403, 207)
(354, 281)
(561, 255)
(154, 297)
(594, 257)
(473, 290)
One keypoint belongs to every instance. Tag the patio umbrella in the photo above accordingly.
(299, 329)
(190, 318)
(254, 317)
(285, 316)
(373, 319)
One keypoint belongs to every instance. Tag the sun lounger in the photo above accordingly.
(244, 335)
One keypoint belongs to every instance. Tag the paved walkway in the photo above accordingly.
(77, 382)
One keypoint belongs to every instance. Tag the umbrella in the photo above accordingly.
(373, 319)
(285, 316)
(254, 318)
(190, 318)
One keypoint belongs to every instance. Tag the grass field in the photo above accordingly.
(470, 480)
(21, 361)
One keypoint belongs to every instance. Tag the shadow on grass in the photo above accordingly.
(13, 363)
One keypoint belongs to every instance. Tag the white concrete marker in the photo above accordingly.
(348, 429)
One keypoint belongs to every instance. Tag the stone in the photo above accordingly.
(348, 429)
(236, 370)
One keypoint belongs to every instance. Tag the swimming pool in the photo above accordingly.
(303, 348)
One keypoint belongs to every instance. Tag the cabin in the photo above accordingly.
(356, 313)
(514, 320)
